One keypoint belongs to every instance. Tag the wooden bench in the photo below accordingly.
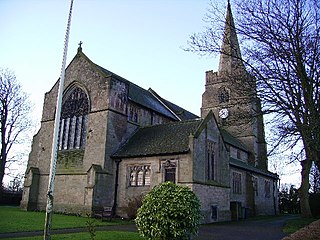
(106, 213)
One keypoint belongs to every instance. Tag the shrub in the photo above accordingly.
(169, 212)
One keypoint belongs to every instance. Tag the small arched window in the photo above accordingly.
(74, 117)
(147, 176)
(133, 178)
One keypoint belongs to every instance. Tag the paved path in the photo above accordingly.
(264, 229)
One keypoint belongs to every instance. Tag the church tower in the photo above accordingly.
(231, 94)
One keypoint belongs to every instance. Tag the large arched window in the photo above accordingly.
(74, 117)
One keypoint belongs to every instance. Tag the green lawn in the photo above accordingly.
(295, 224)
(103, 235)
(13, 219)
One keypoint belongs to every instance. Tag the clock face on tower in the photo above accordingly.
(223, 113)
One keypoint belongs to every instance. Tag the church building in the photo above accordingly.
(117, 141)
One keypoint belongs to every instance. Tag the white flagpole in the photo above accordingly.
(49, 209)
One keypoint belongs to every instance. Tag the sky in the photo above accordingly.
(140, 40)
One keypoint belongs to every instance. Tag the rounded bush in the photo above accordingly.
(169, 212)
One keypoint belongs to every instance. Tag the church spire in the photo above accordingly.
(230, 57)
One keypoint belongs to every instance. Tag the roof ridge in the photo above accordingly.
(241, 164)
(167, 103)
(235, 141)
(116, 75)
(160, 99)
(172, 123)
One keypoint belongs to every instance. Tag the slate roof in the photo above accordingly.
(146, 99)
(179, 112)
(151, 100)
(170, 138)
(231, 140)
(250, 168)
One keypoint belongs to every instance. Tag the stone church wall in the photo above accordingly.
(255, 199)
(72, 165)
(43, 150)
(239, 196)
(43, 189)
(29, 199)
(128, 193)
(213, 198)
(49, 104)
(96, 140)
(156, 164)
(266, 203)
(238, 154)
(69, 196)
(210, 133)
(199, 158)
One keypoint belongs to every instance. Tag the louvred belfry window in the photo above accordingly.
(224, 95)
(74, 117)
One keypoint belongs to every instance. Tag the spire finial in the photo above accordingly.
(80, 48)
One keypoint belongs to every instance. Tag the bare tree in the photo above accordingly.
(16, 184)
(280, 44)
(14, 118)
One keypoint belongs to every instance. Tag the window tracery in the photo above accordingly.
(74, 117)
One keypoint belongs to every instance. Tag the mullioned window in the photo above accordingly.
(139, 176)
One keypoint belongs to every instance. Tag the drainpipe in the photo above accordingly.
(114, 207)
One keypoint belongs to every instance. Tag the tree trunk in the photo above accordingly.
(2, 168)
(304, 189)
